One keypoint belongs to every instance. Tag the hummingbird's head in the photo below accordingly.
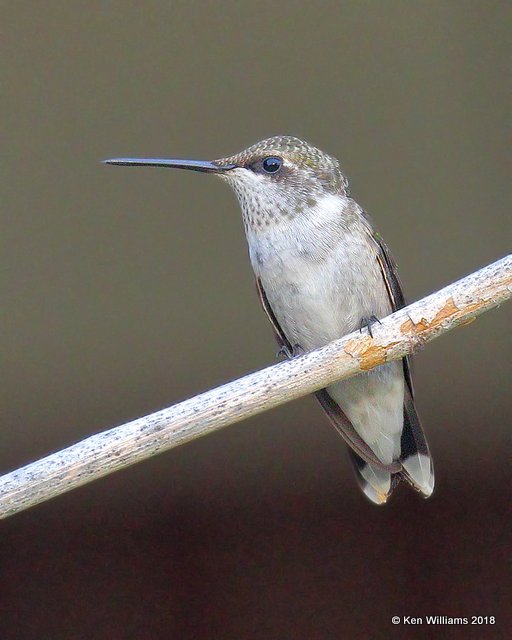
(280, 178)
(275, 180)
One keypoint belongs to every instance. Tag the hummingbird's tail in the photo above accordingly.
(389, 444)
(375, 483)
(417, 468)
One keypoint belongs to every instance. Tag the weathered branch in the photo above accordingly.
(399, 334)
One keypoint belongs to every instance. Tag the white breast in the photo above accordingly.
(321, 276)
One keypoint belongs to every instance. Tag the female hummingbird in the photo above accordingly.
(322, 272)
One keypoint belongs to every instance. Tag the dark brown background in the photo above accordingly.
(124, 291)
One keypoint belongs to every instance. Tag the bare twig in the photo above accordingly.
(398, 335)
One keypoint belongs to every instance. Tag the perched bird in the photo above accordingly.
(322, 272)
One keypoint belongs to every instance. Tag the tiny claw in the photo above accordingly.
(296, 350)
(283, 352)
(367, 322)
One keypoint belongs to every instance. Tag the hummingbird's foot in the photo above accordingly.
(296, 350)
(283, 352)
(367, 322)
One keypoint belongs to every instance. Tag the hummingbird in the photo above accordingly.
(322, 271)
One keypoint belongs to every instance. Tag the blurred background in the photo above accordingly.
(127, 290)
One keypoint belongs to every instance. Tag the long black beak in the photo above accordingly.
(194, 165)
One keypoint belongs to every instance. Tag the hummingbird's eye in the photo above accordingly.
(272, 164)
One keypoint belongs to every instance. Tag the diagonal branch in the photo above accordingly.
(398, 335)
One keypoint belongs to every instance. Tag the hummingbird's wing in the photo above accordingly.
(415, 455)
(394, 288)
(281, 339)
(331, 408)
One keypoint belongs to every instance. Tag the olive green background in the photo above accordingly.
(126, 290)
